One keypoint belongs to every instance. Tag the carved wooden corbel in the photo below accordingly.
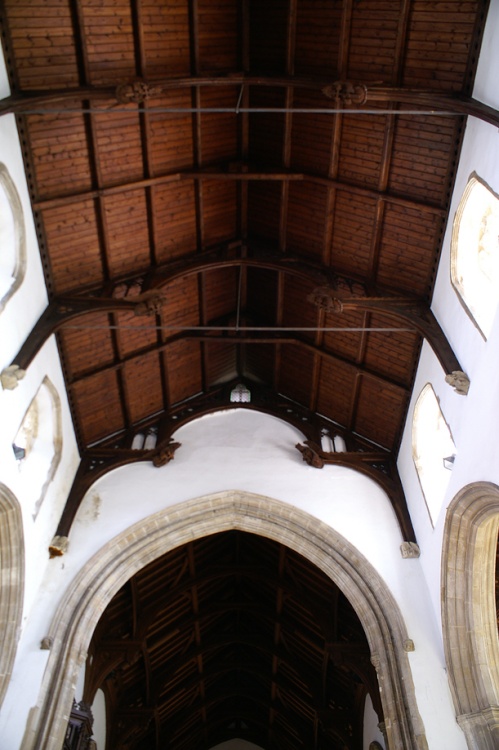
(165, 454)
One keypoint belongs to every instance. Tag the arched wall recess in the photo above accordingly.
(95, 585)
(12, 238)
(11, 582)
(39, 439)
(432, 444)
(469, 612)
(475, 253)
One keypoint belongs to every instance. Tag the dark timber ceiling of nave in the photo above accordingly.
(178, 244)
(245, 639)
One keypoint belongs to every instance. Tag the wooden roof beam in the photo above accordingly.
(241, 172)
(453, 103)
(413, 314)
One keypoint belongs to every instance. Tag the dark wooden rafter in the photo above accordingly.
(145, 135)
(290, 41)
(198, 161)
(398, 66)
(339, 722)
(343, 53)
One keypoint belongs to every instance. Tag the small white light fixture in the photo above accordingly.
(240, 394)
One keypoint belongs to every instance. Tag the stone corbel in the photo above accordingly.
(459, 381)
(409, 550)
(10, 377)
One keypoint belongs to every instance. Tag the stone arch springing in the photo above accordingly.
(469, 612)
(12, 238)
(11, 582)
(95, 585)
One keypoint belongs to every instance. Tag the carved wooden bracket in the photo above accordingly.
(412, 311)
(136, 92)
(346, 92)
(94, 464)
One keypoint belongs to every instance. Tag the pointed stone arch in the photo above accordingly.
(95, 585)
(13, 238)
(469, 611)
(11, 582)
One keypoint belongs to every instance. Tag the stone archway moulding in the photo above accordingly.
(11, 582)
(118, 560)
(469, 616)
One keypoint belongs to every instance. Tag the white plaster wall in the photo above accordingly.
(472, 419)
(16, 321)
(252, 452)
(371, 730)
(99, 725)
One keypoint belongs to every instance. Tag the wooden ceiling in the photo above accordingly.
(198, 170)
(232, 636)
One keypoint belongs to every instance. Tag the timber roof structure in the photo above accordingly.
(239, 191)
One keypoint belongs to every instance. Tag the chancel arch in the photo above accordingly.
(469, 611)
(11, 582)
(103, 576)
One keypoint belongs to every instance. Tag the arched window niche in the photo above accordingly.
(433, 450)
(12, 238)
(37, 445)
(475, 253)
